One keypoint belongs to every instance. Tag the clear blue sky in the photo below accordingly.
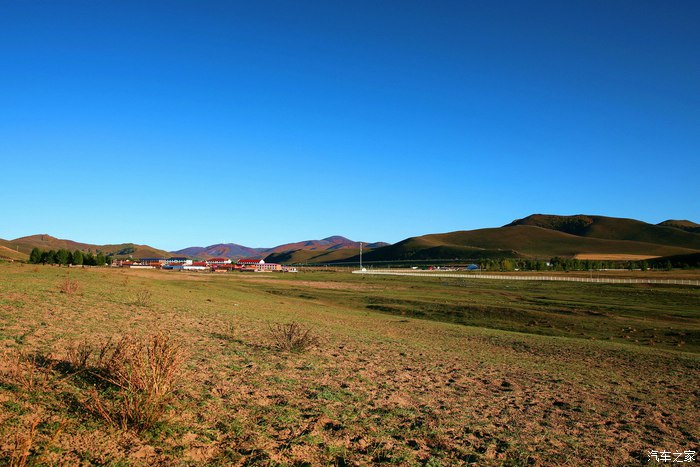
(192, 123)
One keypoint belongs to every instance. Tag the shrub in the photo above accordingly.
(144, 374)
(79, 355)
(68, 286)
(293, 337)
(29, 371)
(22, 444)
(143, 298)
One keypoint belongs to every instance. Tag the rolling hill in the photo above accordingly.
(47, 242)
(225, 250)
(335, 242)
(686, 225)
(612, 228)
(546, 236)
(291, 252)
(540, 236)
(7, 253)
(314, 257)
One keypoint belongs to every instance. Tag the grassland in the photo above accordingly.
(406, 371)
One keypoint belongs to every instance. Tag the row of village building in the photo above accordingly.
(180, 263)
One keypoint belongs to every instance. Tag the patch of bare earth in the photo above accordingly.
(612, 257)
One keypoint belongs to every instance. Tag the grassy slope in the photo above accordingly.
(310, 256)
(47, 242)
(686, 225)
(613, 228)
(10, 253)
(140, 251)
(524, 239)
(382, 386)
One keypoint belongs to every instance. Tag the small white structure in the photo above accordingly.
(177, 260)
(217, 261)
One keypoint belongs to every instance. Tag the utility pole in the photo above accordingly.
(360, 256)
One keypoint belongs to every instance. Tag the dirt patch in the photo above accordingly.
(612, 257)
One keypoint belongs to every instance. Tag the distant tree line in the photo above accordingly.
(691, 261)
(65, 257)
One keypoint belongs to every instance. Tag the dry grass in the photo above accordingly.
(143, 298)
(29, 371)
(381, 387)
(145, 373)
(68, 286)
(22, 445)
(78, 356)
(293, 337)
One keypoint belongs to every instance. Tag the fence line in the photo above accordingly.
(599, 280)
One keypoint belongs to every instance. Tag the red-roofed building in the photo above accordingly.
(250, 261)
(255, 264)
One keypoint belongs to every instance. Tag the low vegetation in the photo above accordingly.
(406, 371)
(293, 337)
(143, 298)
(140, 378)
(68, 286)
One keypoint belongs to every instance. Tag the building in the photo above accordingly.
(156, 262)
(269, 267)
(250, 261)
(255, 264)
(217, 261)
(177, 261)
(196, 266)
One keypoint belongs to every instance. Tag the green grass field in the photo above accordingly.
(409, 371)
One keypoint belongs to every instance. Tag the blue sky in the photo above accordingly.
(192, 123)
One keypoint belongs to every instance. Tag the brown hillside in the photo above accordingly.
(47, 242)
(613, 228)
(312, 256)
(140, 251)
(335, 242)
(514, 240)
(9, 253)
(686, 225)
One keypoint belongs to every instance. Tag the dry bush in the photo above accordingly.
(68, 286)
(27, 371)
(143, 298)
(22, 445)
(293, 337)
(230, 331)
(145, 373)
(79, 355)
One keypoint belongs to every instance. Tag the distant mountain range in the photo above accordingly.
(331, 248)
(541, 236)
